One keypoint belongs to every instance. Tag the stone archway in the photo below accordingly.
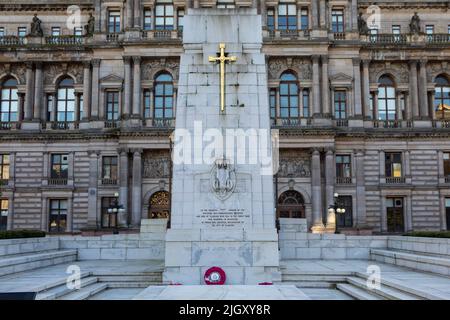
(159, 205)
(291, 204)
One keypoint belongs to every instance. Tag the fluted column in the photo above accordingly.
(38, 92)
(127, 88)
(423, 96)
(129, 12)
(92, 220)
(137, 87)
(136, 191)
(123, 188)
(316, 87)
(316, 190)
(86, 89)
(95, 89)
(413, 88)
(361, 216)
(330, 172)
(366, 89)
(28, 112)
(357, 87)
(325, 88)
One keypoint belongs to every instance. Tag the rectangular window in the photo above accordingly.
(345, 220)
(147, 19)
(337, 20)
(273, 103)
(225, 4)
(112, 105)
(78, 31)
(4, 169)
(287, 16)
(22, 32)
(164, 15)
(180, 21)
(394, 215)
(393, 165)
(109, 168)
(373, 34)
(304, 19)
(429, 29)
(340, 104)
(447, 164)
(114, 21)
(306, 107)
(396, 29)
(343, 166)
(49, 107)
(271, 18)
(58, 215)
(108, 218)
(4, 205)
(59, 166)
(56, 31)
(2, 32)
(147, 104)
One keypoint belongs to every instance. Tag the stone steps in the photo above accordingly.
(86, 292)
(356, 292)
(23, 262)
(386, 292)
(62, 289)
(428, 263)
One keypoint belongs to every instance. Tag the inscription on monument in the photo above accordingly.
(222, 218)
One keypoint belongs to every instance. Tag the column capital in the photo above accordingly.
(127, 59)
(324, 59)
(137, 59)
(412, 62)
(423, 62)
(136, 151)
(29, 64)
(315, 58)
(93, 153)
(96, 63)
(86, 64)
(38, 64)
(329, 151)
(122, 151)
(315, 151)
(366, 62)
(356, 61)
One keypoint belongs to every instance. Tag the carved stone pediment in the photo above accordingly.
(151, 67)
(294, 164)
(341, 79)
(156, 164)
(54, 70)
(398, 70)
(301, 66)
(111, 79)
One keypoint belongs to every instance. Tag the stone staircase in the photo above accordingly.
(93, 283)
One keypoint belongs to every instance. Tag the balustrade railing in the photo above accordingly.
(395, 180)
(66, 40)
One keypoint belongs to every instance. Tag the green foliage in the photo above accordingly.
(429, 234)
(17, 234)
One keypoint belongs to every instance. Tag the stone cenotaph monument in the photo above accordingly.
(223, 212)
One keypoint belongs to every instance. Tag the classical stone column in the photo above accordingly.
(316, 191)
(316, 87)
(92, 220)
(98, 16)
(413, 88)
(86, 89)
(137, 13)
(323, 16)
(137, 87)
(315, 13)
(325, 88)
(95, 88)
(361, 216)
(357, 87)
(127, 88)
(123, 188)
(136, 189)
(330, 173)
(354, 13)
(129, 12)
(423, 96)
(38, 92)
(366, 89)
(30, 92)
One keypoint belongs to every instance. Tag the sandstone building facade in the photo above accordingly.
(362, 105)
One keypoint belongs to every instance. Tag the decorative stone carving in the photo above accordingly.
(399, 70)
(414, 25)
(36, 28)
(51, 71)
(90, 27)
(294, 165)
(156, 165)
(150, 67)
(19, 70)
(223, 179)
(362, 25)
(434, 69)
(301, 65)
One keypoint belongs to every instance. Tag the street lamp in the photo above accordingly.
(338, 208)
(114, 209)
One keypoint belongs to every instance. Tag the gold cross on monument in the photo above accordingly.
(222, 59)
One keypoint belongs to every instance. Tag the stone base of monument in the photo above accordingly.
(227, 292)
(246, 256)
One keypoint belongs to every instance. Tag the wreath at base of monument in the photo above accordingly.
(215, 276)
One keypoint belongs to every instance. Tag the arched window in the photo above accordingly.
(442, 98)
(163, 95)
(159, 206)
(386, 99)
(291, 205)
(288, 95)
(9, 101)
(164, 15)
(65, 107)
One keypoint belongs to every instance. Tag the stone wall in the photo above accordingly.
(420, 245)
(21, 246)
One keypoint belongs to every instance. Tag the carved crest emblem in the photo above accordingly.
(223, 179)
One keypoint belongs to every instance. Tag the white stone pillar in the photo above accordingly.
(325, 88)
(137, 88)
(330, 173)
(413, 88)
(123, 188)
(92, 220)
(136, 190)
(316, 187)
(30, 92)
(361, 215)
(316, 87)
(127, 88)
(366, 89)
(357, 87)
(38, 92)
(86, 89)
(95, 89)
(423, 98)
